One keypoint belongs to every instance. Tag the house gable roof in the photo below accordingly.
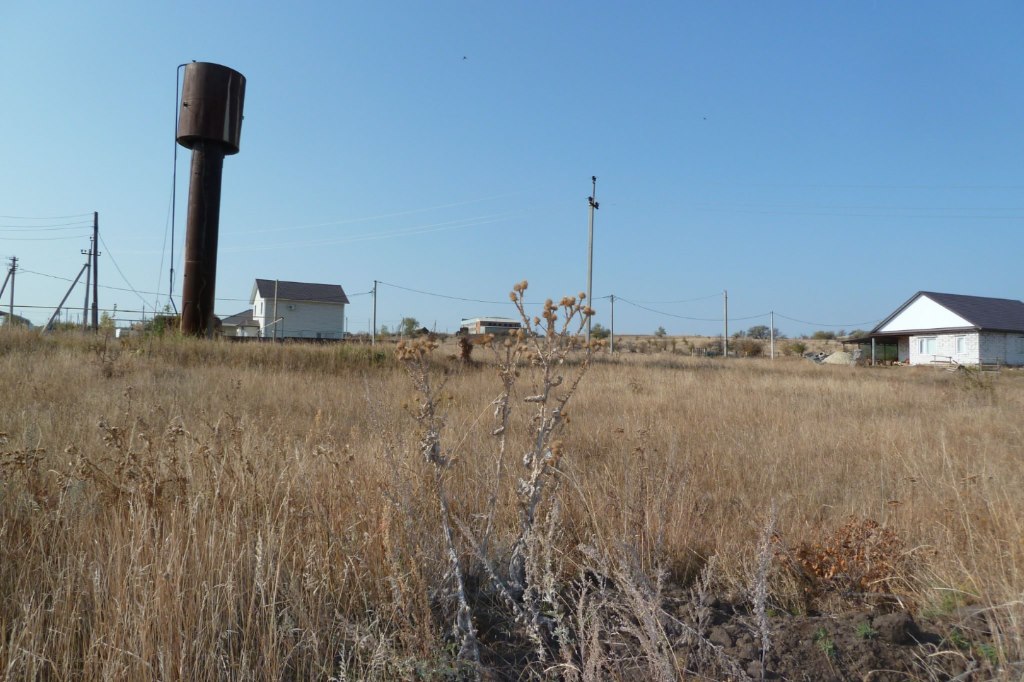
(242, 319)
(299, 291)
(980, 313)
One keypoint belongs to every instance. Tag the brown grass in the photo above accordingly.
(172, 509)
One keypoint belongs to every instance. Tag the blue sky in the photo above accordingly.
(822, 160)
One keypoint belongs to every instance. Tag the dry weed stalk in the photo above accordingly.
(416, 357)
(759, 590)
(542, 345)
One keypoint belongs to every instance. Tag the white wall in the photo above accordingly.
(945, 349)
(924, 313)
(306, 320)
(262, 312)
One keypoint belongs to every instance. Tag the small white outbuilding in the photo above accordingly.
(933, 327)
(298, 310)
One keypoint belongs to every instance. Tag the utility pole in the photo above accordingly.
(275, 309)
(95, 270)
(771, 333)
(592, 200)
(3, 287)
(85, 307)
(10, 309)
(725, 333)
(611, 346)
(373, 327)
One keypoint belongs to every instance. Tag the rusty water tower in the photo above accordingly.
(210, 124)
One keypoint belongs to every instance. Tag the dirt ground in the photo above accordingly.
(720, 641)
(861, 644)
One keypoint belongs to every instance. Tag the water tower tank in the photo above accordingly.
(211, 106)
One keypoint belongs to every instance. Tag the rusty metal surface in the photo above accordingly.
(200, 279)
(212, 98)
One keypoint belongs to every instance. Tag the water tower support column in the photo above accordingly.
(200, 280)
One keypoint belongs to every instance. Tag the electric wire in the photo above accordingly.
(456, 298)
(52, 217)
(693, 319)
(163, 251)
(50, 227)
(685, 300)
(436, 295)
(42, 239)
(457, 224)
(118, 268)
(381, 216)
(822, 324)
(113, 288)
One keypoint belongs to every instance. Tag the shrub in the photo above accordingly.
(795, 348)
(747, 348)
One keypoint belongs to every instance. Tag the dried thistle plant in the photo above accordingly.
(541, 348)
(416, 356)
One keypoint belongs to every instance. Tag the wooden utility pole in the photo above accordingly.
(373, 327)
(3, 287)
(771, 334)
(10, 309)
(725, 332)
(275, 309)
(95, 270)
(611, 346)
(85, 306)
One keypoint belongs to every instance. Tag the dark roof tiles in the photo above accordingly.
(301, 291)
(240, 319)
(997, 314)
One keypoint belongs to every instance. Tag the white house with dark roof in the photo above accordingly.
(941, 328)
(298, 310)
(240, 324)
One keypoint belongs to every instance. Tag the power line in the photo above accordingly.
(42, 239)
(113, 288)
(453, 298)
(685, 300)
(822, 324)
(350, 221)
(461, 223)
(692, 319)
(840, 214)
(118, 268)
(55, 227)
(52, 217)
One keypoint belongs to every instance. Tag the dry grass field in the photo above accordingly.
(177, 509)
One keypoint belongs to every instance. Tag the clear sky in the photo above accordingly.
(822, 160)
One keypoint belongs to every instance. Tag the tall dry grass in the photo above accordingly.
(179, 509)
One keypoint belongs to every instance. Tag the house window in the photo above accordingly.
(960, 344)
(926, 345)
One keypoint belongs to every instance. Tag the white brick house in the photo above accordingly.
(302, 310)
(932, 327)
